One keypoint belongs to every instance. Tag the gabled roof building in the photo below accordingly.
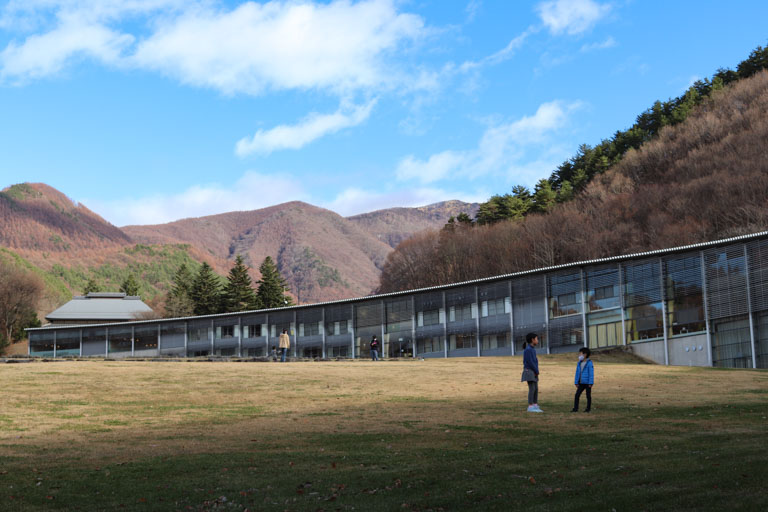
(99, 308)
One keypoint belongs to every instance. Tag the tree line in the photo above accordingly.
(205, 294)
(573, 175)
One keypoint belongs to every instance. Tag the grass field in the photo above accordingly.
(407, 435)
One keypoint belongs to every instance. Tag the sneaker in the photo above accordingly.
(538, 409)
(587, 410)
(574, 410)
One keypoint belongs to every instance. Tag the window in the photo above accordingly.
(252, 331)
(462, 313)
(427, 345)
(198, 334)
(644, 322)
(492, 341)
(496, 307)
(341, 351)
(225, 331)
(309, 329)
(685, 300)
(427, 318)
(459, 341)
(337, 328)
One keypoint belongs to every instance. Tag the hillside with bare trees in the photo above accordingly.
(703, 179)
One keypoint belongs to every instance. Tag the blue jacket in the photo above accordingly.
(587, 373)
(530, 360)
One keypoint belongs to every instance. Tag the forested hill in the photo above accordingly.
(701, 179)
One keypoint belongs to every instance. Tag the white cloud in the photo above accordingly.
(353, 201)
(252, 191)
(503, 148)
(309, 129)
(338, 47)
(609, 42)
(571, 16)
(48, 53)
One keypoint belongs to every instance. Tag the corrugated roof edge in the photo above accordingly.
(657, 252)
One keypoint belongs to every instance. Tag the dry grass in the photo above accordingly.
(90, 414)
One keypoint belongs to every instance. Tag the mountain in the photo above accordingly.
(323, 255)
(394, 225)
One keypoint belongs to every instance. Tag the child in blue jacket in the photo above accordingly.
(531, 371)
(585, 378)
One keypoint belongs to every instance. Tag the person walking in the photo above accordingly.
(531, 371)
(584, 379)
(285, 344)
(375, 349)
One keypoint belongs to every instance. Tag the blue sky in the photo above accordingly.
(148, 111)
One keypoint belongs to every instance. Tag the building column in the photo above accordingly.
(239, 336)
(413, 324)
(106, 342)
(383, 326)
(477, 319)
(546, 315)
(296, 335)
(352, 330)
(186, 338)
(213, 335)
(706, 307)
(322, 323)
(133, 339)
(445, 327)
(621, 306)
(81, 342)
(749, 309)
(54, 344)
(159, 336)
(664, 312)
(267, 333)
(583, 293)
(511, 319)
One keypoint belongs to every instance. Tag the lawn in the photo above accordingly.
(394, 435)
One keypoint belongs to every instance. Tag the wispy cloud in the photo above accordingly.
(200, 200)
(609, 42)
(571, 17)
(310, 128)
(503, 148)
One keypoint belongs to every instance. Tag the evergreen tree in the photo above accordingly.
(129, 286)
(179, 300)
(238, 293)
(271, 292)
(206, 292)
(91, 287)
(543, 196)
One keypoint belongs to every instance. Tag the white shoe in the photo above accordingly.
(536, 408)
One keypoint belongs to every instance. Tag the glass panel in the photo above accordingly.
(145, 338)
(119, 340)
(68, 343)
(685, 300)
(41, 343)
(430, 344)
(731, 345)
(644, 322)
(564, 292)
(499, 340)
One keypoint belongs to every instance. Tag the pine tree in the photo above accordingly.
(238, 293)
(206, 292)
(179, 301)
(129, 286)
(271, 292)
(91, 287)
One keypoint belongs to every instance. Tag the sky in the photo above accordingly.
(148, 111)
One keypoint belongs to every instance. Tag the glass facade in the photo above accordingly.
(713, 294)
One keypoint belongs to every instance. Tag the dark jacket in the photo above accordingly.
(530, 361)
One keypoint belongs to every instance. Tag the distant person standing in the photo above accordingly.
(531, 371)
(375, 349)
(584, 379)
(285, 344)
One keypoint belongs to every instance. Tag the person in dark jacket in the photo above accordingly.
(531, 371)
(584, 379)
(375, 349)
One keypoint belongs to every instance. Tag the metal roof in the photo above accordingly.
(624, 257)
(100, 307)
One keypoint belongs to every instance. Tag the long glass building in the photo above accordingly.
(698, 305)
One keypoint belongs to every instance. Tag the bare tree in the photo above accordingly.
(20, 292)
